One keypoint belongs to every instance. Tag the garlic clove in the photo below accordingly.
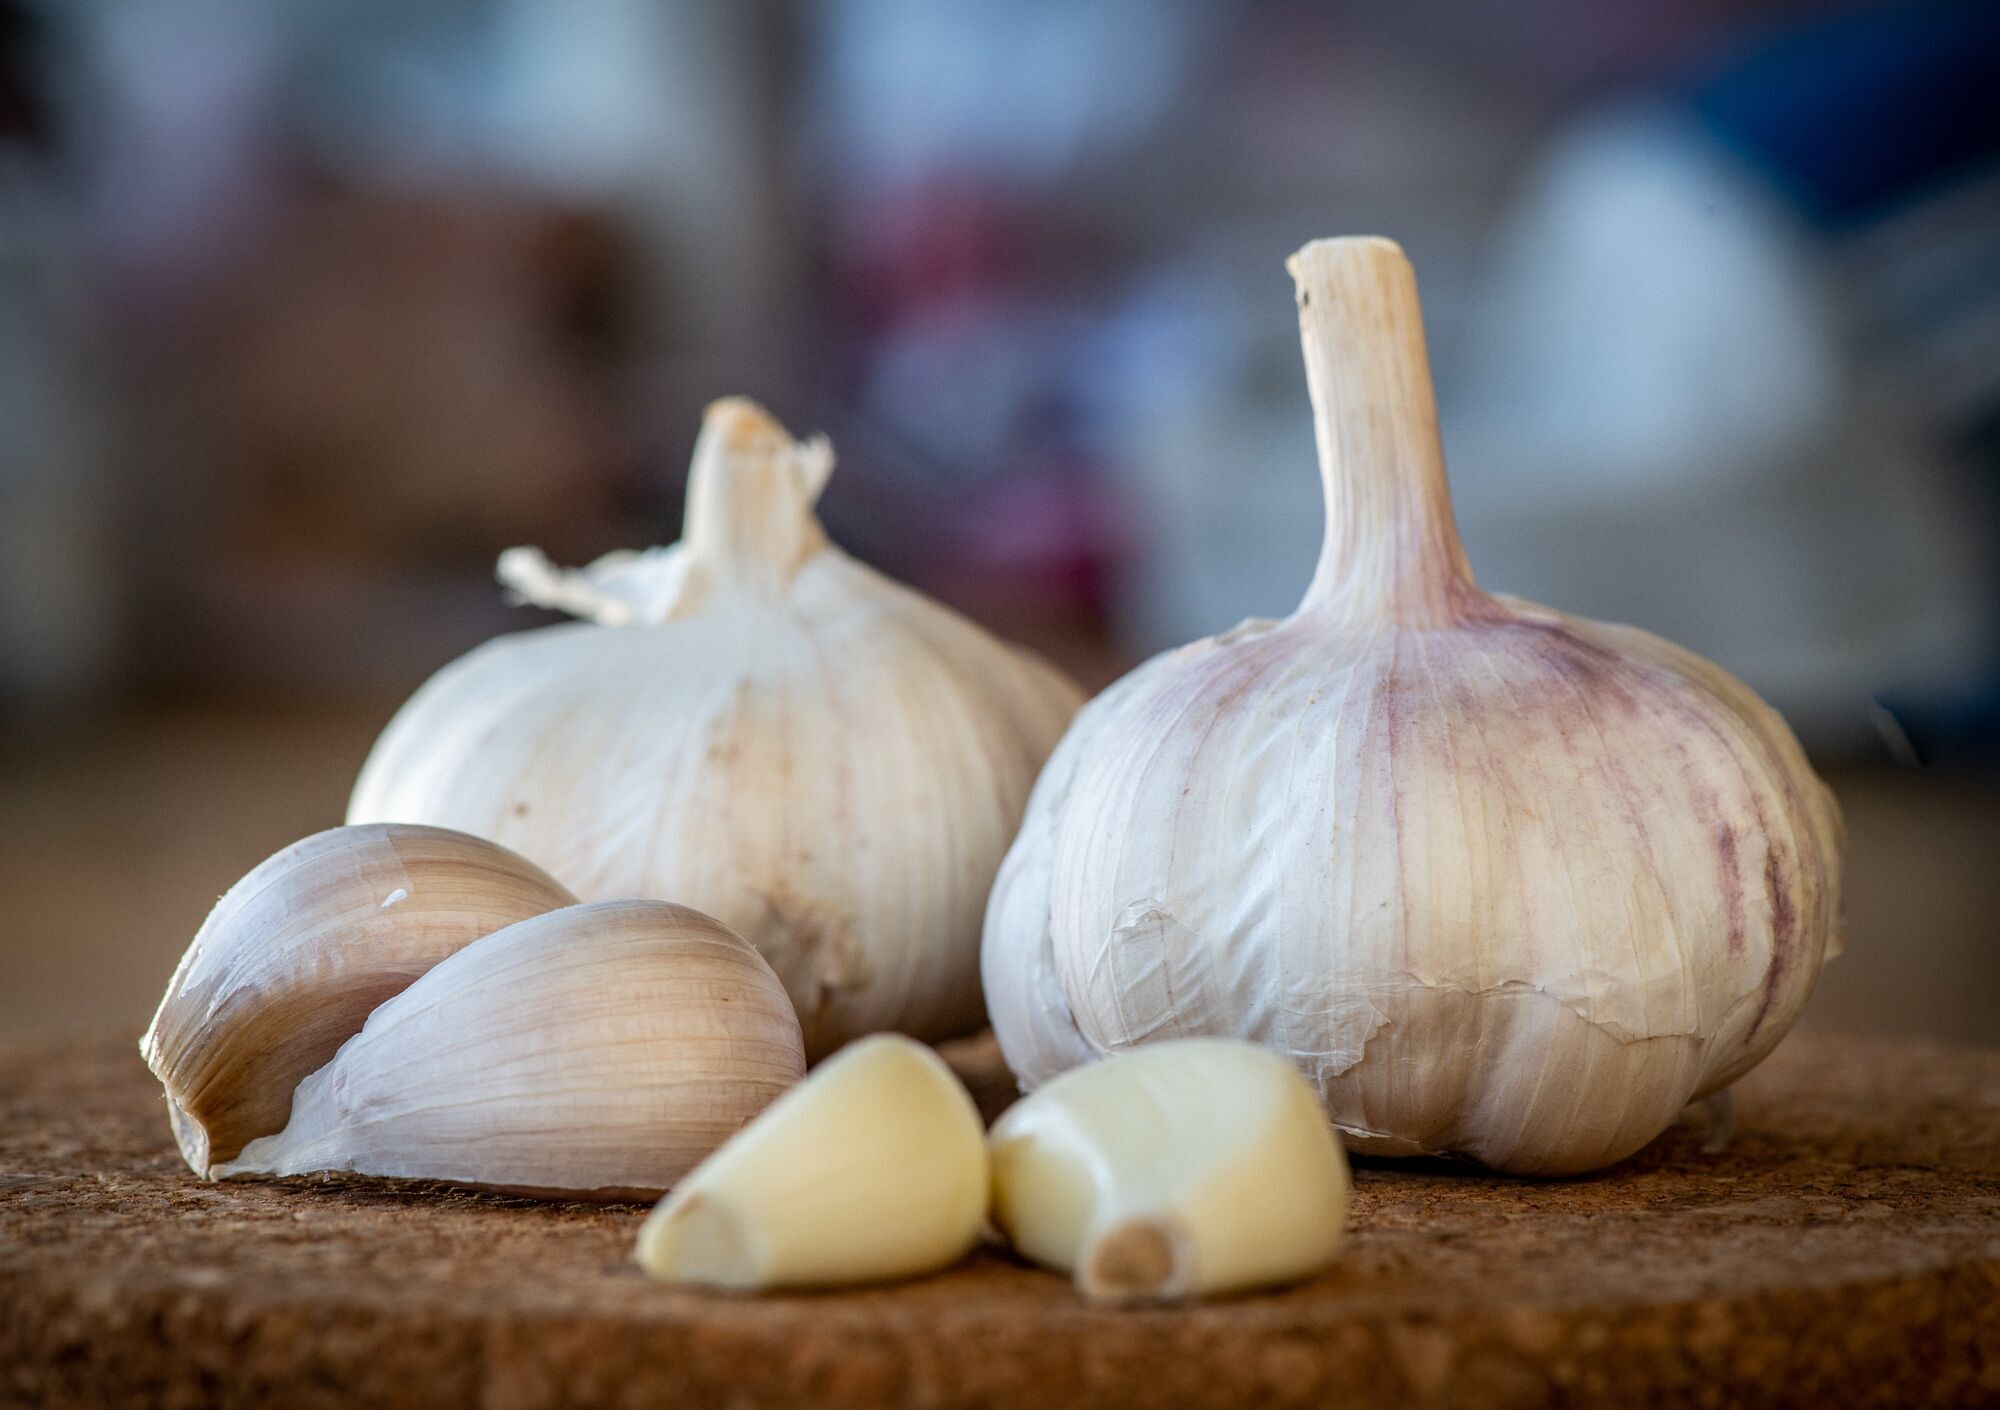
(1192, 1167)
(753, 723)
(598, 1051)
(873, 1168)
(295, 956)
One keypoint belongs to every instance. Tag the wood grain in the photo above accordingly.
(1844, 1250)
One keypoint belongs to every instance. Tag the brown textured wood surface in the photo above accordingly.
(1844, 1251)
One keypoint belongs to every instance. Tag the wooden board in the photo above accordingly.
(1844, 1250)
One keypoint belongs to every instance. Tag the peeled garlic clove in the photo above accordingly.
(756, 725)
(598, 1052)
(298, 953)
(873, 1168)
(1185, 1168)
(1500, 882)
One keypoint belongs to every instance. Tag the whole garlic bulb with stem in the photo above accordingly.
(754, 724)
(1501, 882)
(595, 1052)
(295, 956)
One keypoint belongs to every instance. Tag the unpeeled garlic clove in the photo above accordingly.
(1202, 1165)
(598, 1051)
(873, 1168)
(297, 954)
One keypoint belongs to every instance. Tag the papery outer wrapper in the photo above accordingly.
(1674, 920)
(599, 1051)
(292, 959)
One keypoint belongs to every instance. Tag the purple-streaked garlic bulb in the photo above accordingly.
(1502, 883)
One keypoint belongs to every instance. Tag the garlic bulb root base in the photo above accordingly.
(1720, 1108)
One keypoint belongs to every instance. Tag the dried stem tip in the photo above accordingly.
(751, 491)
(1391, 552)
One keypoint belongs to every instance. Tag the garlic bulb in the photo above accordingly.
(754, 724)
(598, 1051)
(872, 1168)
(1181, 1169)
(1502, 883)
(293, 958)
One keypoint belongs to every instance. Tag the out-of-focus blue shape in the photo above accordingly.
(1855, 115)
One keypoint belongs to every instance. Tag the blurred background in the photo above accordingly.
(308, 309)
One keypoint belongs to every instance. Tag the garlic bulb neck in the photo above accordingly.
(751, 491)
(1391, 554)
(750, 526)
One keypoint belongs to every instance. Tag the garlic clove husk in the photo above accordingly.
(1501, 882)
(595, 1052)
(1185, 1168)
(755, 724)
(873, 1168)
(295, 956)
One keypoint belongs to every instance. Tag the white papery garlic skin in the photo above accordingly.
(1502, 883)
(595, 1052)
(872, 1168)
(1177, 1170)
(756, 725)
(295, 956)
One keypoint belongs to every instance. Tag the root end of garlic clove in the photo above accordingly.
(192, 1137)
(703, 1241)
(1145, 1259)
